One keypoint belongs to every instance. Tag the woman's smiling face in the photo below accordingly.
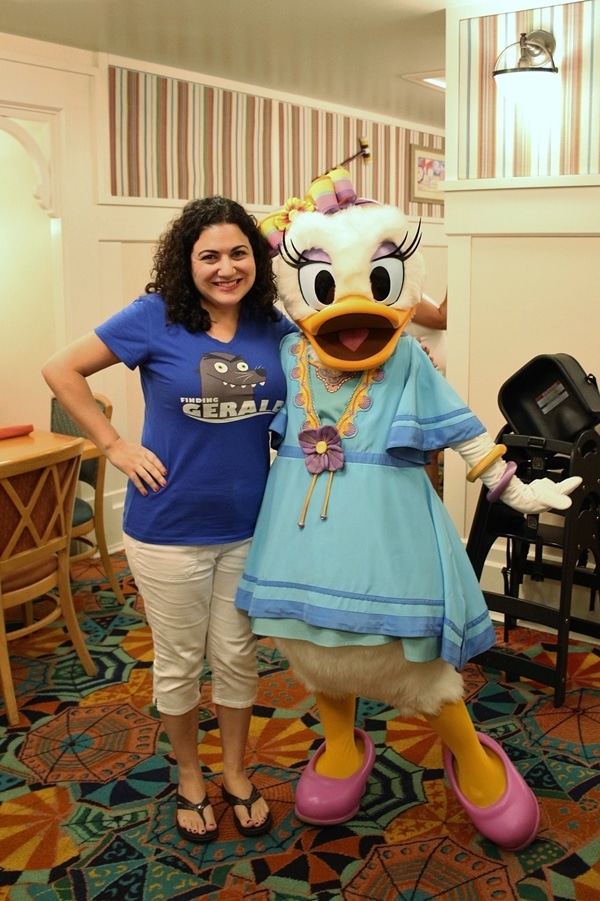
(223, 266)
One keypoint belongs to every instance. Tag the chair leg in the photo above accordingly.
(70, 618)
(108, 569)
(562, 637)
(104, 554)
(8, 689)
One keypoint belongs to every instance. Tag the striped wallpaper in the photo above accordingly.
(497, 141)
(177, 140)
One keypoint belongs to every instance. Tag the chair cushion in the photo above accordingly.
(82, 512)
(29, 575)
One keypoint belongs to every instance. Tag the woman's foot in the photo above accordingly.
(253, 815)
(191, 819)
(192, 834)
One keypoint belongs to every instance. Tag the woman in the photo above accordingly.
(205, 338)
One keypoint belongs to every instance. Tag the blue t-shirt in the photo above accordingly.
(208, 408)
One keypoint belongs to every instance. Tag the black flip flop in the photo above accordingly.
(198, 837)
(247, 803)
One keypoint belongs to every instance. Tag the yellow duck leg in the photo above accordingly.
(479, 772)
(330, 789)
(343, 754)
(493, 793)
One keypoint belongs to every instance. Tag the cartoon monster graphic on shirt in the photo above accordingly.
(228, 390)
(228, 376)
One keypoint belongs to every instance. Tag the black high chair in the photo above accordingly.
(551, 407)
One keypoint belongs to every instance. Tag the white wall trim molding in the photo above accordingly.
(43, 192)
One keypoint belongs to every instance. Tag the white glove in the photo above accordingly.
(539, 495)
(535, 497)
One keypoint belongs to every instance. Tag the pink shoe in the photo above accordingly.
(512, 821)
(324, 800)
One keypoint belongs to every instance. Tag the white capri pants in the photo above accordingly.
(188, 593)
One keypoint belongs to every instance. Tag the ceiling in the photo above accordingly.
(348, 52)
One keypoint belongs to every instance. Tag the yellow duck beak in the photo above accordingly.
(354, 333)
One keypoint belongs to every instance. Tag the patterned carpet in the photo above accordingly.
(87, 785)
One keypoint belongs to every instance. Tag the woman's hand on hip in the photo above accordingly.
(139, 464)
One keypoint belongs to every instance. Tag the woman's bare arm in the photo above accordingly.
(66, 372)
(429, 315)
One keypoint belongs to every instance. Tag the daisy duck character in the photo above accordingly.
(356, 570)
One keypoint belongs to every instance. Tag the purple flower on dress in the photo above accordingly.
(322, 449)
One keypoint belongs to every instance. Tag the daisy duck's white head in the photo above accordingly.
(348, 272)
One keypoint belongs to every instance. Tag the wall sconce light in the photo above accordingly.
(523, 68)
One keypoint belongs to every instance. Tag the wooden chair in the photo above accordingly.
(36, 509)
(89, 518)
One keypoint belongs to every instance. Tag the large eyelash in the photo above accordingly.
(297, 260)
(403, 253)
(292, 256)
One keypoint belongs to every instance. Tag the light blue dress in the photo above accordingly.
(386, 562)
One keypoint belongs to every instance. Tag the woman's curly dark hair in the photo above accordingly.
(172, 266)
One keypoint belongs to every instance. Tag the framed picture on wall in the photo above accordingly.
(427, 174)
